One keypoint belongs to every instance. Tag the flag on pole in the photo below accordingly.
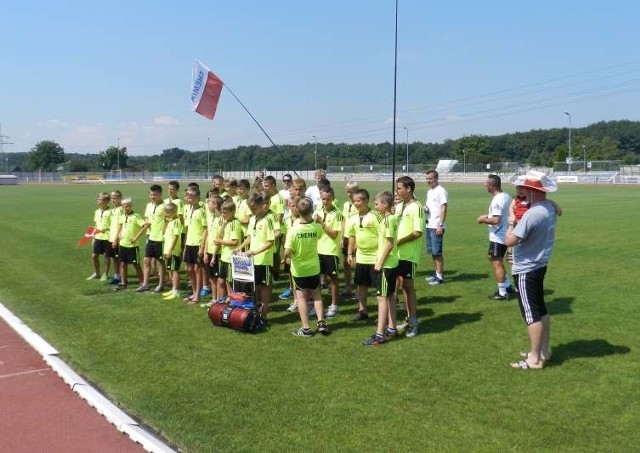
(205, 90)
(90, 233)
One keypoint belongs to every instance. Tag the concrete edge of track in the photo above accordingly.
(90, 395)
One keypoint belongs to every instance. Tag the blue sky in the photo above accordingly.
(87, 73)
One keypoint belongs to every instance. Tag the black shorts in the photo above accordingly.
(153, 249)
(531, 294)
(225, 271)
(262, 274)
(191, 254)
(407, 269)
(497, 250)
(173, 263)
(386, 282)
(102, 247)
(364, 274)
(302, 283)
(129, 255)
(213, 268)
(328, 265)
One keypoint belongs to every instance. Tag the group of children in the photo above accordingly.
(379, 247)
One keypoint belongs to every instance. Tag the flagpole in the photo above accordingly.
(258, 124)
(395, 90)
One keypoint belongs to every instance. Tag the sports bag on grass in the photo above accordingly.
(237, 318)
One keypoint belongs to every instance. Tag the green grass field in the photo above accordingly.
(450, 388)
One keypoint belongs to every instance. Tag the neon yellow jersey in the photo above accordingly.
(388, 230)
(232, 230)
(365, 230)
(173, 230)
(116, 213)
(131, 225)
(332, 220)
(195, 221)
(214, 224)
(348, 210)
(242, 212)
(154, 215)
(410, 219)
(102, 222)
(179, 202)
(276, 204)
(261, 231)
(276, 224)
(302, 240)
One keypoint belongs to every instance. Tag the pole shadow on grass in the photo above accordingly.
(449, 321)
(585, 349)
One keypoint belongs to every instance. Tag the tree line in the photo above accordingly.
(606, 140)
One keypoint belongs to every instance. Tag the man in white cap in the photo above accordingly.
(532, 240)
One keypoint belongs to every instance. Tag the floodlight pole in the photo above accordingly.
(569, 159)
(407, 132)
(464, 162)
(315, 152)
(208, 153)
(118, 153)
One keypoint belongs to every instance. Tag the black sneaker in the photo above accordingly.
(498, 296)
(302, 332)
(119, 287)
(322, 328)
(374, 340)
(511, 290)
(360, 316)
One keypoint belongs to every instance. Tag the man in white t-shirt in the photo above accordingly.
(313, 192)
(436, 211)
(498, 221)
(287, 182)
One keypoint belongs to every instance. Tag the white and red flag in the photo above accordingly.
(89, 234)
(205, 90)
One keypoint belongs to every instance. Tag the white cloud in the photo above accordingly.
(166, 121)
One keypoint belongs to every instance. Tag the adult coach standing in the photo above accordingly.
(435, 208)
(532, 241)
(497, 219)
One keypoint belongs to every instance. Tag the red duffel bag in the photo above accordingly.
(237, 318)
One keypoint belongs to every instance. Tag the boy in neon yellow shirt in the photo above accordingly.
(259, 241)
(172, 248)
(228, 238)
(386, 271)
(330, 219)
(100, 243)
(195, 220)
(301, 252)
(363, 230)
(410, 227)
(154, 227)
(129, 232)
(212, 250)
(116, 212)
(348, 210)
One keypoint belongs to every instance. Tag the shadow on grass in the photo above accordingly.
(585, 349)
(449, 321)
(465, 277)
(431, 299)
(560, 306)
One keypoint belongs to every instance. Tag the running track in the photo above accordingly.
(40, 412)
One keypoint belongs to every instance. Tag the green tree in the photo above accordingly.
(110, 158)
(46, 156)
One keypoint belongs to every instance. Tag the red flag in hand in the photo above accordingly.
(90, 233)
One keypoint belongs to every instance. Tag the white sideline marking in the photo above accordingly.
(92, 397)
(2, 376)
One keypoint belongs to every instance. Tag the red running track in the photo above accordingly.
(39, 412)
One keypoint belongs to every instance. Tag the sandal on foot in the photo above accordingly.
(523, 365)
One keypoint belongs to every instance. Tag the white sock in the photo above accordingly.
(439, 276)
(502, 288)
